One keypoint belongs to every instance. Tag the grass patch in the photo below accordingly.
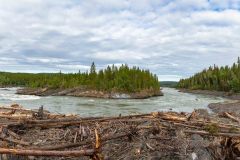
(212, 128)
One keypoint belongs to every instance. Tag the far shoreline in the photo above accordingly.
(228, 95)
(232, 106)
(83, 92)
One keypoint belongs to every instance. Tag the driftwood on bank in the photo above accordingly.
(14, 141)
(71, 145)
(40, 133)
(25, 152)
(231, 117)
(3, 135)
(231, 135)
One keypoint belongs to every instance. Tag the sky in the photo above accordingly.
(174, 39)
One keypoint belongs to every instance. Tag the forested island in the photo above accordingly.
(112, 82)
(225, 79)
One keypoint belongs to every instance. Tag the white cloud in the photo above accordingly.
(44, 60)
(227, 17)
(120, 55)
(74, 67)
(169, 37)
(169, 77)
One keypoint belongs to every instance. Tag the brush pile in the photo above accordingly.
(39, 134)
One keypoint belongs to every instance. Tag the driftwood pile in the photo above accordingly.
(29, 134)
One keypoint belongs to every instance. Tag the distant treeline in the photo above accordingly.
(112, 78)
(215, 78)
(171, 84)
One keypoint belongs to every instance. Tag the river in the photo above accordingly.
(172, 100)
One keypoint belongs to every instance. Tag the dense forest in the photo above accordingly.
(112, 78)
(215, 78)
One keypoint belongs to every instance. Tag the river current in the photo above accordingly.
(172, 100)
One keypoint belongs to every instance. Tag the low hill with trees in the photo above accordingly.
(109, 81)
(215, 78)
(170, 84)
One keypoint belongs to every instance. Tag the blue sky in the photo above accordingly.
(174, 39)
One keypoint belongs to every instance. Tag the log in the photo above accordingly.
(8, 112)
(71, 145)
(30, 112)
(13, 134)
(17, 110)
(14, 141)
(73, 121)
(98, 143)
(16, 116)
(231, 117)
(201, 124)
(3, 135)
(186, 125)
(231, 135)
(11, 108)
(23, 152)
(76, 121)
(170, 117)
(221, 125)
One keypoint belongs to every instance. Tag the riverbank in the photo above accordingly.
(229, 95)
(31, 134)
(232, 106)
(84, 92)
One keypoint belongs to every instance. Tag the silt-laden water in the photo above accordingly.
(172, 100)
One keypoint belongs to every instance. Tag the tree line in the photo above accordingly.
(123, 78)
(225, 78)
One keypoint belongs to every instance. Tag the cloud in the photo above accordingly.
(174, 39)
(169, 77)
(120, 55)
(74, 67)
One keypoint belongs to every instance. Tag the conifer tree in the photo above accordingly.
(123, 79)
(215, 78)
